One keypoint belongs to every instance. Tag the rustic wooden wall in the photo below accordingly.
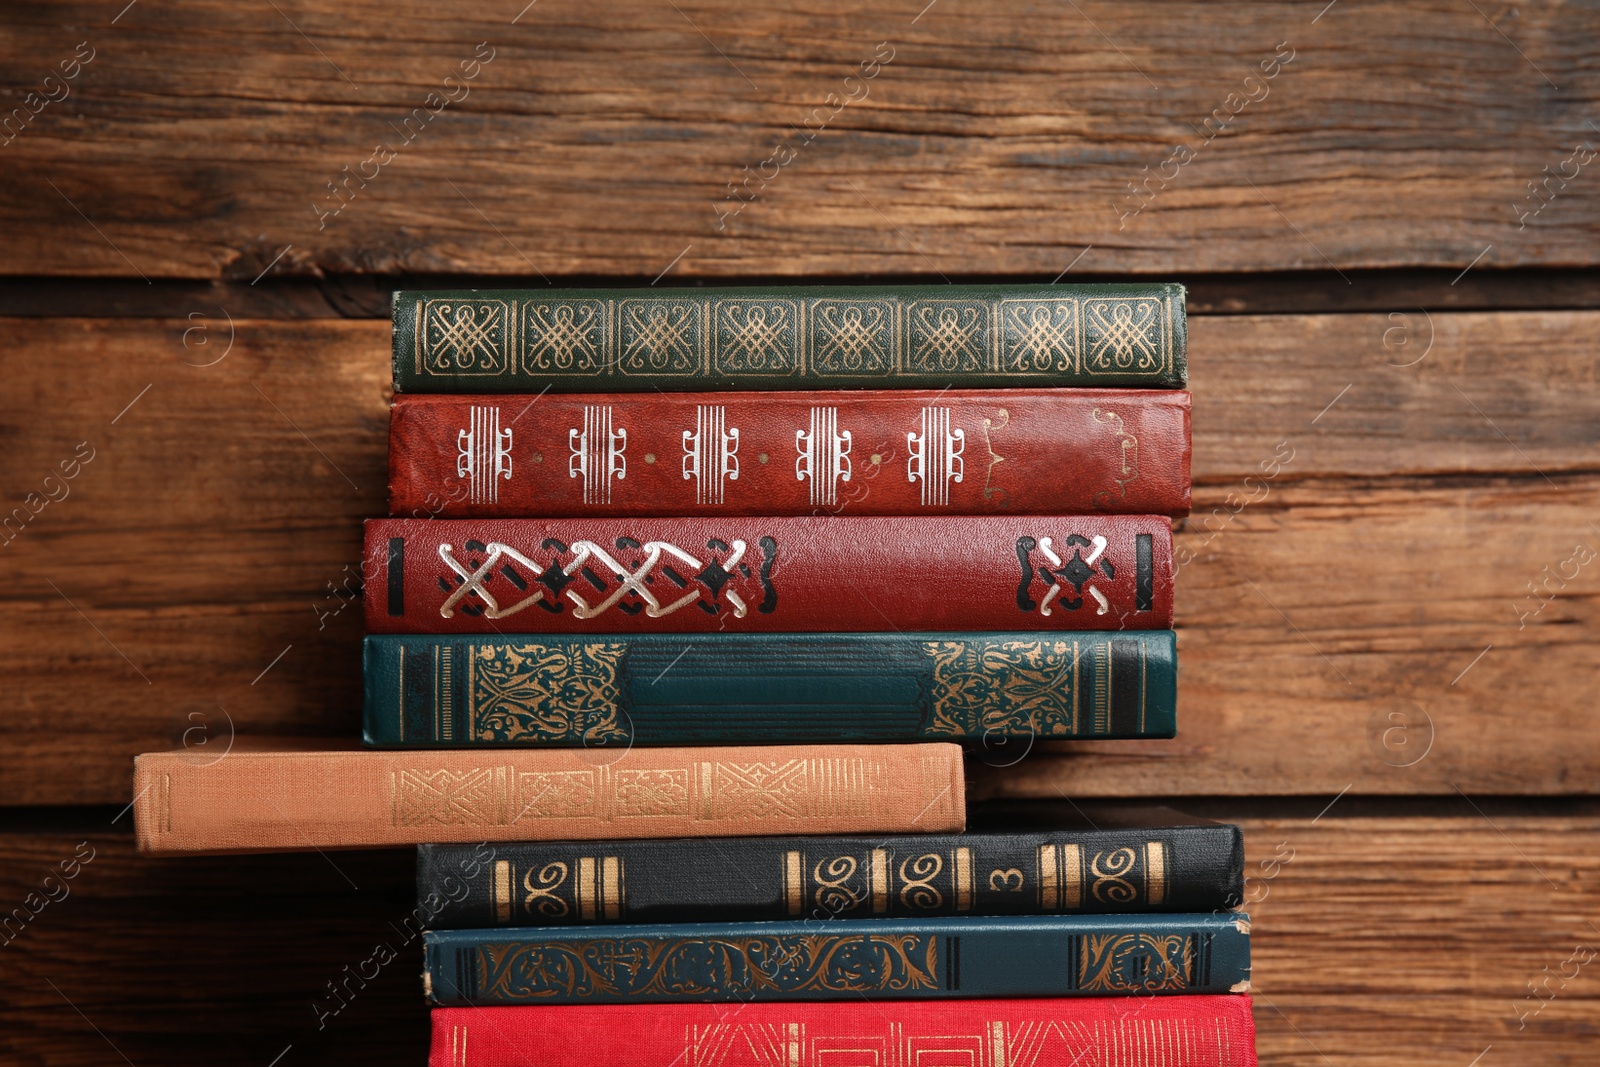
(1391, 243)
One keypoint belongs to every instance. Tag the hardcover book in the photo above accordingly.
(788, 337)
(655, 689)
(1194, 867)
(733, 575)
(872, 452)
(296, 798)
(1173, 1031)
(876, 959)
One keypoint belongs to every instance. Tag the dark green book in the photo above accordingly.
(994, 689)
(912, 959)
(789, 337)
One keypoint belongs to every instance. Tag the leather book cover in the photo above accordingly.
(875, 959)
(620, 690)
(1177, 1031)
(768, 575)
(872, 452)
(286, 799)
(765, 879)
(789, 337)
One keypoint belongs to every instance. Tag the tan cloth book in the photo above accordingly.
(293, 798)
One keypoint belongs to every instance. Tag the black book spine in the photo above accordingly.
(1168, 869)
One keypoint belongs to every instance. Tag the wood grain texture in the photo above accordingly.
(201, 568)
(602, 139)
(1388, 942)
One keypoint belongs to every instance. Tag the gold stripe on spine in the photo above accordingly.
(418, 337)
(1049, 897)
(997, 1039)
(795, 1044)
(707, 792)
(586, 888)
(436, 732)
(963, 878)
(1072, 876)
(166, 803)
(402, 704)
(1155, 873)
(445, 681)
(502, 891)
(880, 881)
(793, 886)
(611, 887)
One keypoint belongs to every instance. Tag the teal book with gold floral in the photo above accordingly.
(1018, 956)
(1001, 690)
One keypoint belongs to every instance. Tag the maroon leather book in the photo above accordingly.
(872, 452)
(788, 573)
(1132, 1031)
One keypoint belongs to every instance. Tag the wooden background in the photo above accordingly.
(1393, 253)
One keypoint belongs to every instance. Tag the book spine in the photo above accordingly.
(763, 575)
(834, 337)
(1177, 1031)
(1187, 868)
(711, 689)
(929, 959)
(266, 801)
(874, 452)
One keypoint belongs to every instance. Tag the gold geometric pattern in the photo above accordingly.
(755, 336)
(464, 337)
(547, 693)
(568, 337)
(853, 337)
(653, 792)
(947, 336)
(556, 794)
(1038, 336)
(661, 336)
(1123, 335)
(448, 798)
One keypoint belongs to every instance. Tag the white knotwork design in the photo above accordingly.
(473, 581)
(1054, 591)
(935, 456)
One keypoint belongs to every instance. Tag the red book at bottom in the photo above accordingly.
(1163, 1031)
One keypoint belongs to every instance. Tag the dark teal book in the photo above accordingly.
(908, 959)
(1034, 859)
(993, 689)
(789, 337)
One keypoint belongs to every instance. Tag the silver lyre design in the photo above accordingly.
(710, 453)
(1055, 587)
(483, 454)
(935, 456)
(472, 581)
(597, 454)
(824, 456)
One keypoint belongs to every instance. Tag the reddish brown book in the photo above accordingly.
(873, 452)
(295, 798)
(1170, 1031)
(785, 574)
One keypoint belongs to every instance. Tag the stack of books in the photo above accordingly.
(691, 602)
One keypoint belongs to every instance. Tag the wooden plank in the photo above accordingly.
(1378, 942)
(206, 139)
(197, 572)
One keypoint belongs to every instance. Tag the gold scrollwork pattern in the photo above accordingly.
(996, 687)
(1108, 883)
(1136, 963)
(706, 967)
(834, 893)
(917, 874)
(542, 900)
